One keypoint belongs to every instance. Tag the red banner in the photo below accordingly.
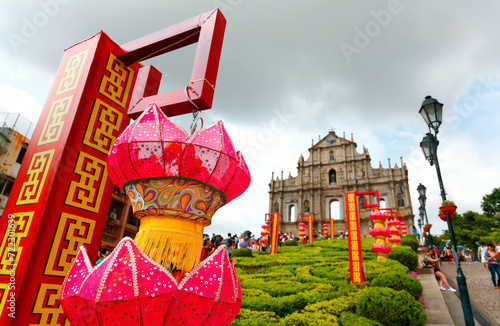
(332, 229)
(274, 233)
(62, 193)
(355, 254)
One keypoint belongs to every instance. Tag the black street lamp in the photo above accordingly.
(420, 227)
(432, 112)
(422, 199)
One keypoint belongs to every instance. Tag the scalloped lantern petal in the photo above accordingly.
(129, 288)
(155, 147)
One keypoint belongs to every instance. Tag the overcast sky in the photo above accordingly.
(292, 70)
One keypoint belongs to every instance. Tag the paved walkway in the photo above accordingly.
(481, 292)
(445, 307)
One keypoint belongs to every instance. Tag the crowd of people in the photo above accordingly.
(487, 254)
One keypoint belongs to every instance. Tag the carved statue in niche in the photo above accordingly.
(401, 201)
(306, 207)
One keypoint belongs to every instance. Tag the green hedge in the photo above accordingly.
(406, 256)
(410, 241)
(350, 319)
(390, 307)
(290, 243)
(398, 282)
(243, 252)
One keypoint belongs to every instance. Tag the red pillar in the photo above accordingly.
(61, 196)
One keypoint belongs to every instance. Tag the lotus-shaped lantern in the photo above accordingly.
(128, 288)
(381, 249)
(375, 232)
(176, 182)
(378, 217)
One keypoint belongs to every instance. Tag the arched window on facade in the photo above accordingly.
(335, 212)
(276, 208)
(293, 213)
(332, 176)
(383, 204)
(401, 201)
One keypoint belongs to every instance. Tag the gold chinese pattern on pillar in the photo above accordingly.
(72, 232)
(355, 256)
(10, 251)
(48, 307)
(103, 127)
(37, 174)
(86, 193)
(54, 124)
(117, 85)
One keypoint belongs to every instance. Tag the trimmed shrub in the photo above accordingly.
(243, 252)
(398, 282)
(310, 319)
(390, 307)
(350, 319)
(410, 241)
(406, 256)
(247, 317)
(289, 243)
(335, 306)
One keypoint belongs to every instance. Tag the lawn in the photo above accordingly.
(310, 285)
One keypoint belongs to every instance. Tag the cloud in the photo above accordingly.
(283, 80)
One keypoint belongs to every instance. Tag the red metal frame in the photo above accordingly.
(206, 29)
(376, 193)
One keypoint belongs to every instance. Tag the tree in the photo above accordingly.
(491, 203)
(471, 228)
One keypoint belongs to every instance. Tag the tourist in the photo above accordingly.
(245, 243)
(431, 260)
(467, 255)
(235, 240)
(228, 242)
(437, 251)
(256, 245)
(497, 248)
(481, 251)
(448, 255)
(492, 257)
(206, 250)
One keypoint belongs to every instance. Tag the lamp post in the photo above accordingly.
(422, 199)
(432, 112)
(420, 228)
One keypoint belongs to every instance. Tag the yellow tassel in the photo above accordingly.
(174, 243)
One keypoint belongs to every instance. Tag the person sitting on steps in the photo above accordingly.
(431, 260)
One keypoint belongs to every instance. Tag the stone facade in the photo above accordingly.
(333, 168)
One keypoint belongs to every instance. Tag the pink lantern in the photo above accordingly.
(176, 182)
(265, 234)
(381, 250)
(129, 288)
(380, 233)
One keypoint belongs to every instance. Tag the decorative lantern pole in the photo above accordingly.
(380, 232)
(325, 228)
(392, 225)
(265, 235)
(302, 232)
(308, 218)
